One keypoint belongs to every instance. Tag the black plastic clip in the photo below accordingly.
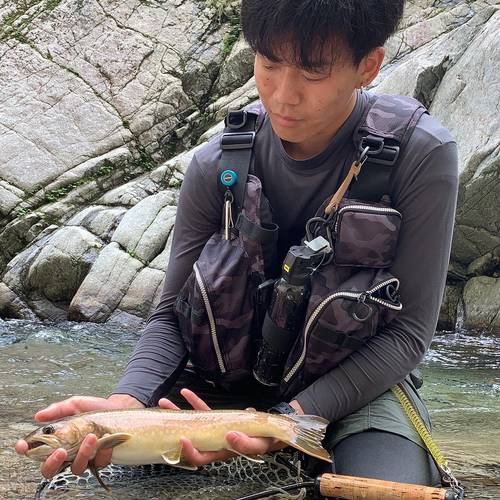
(241, 139)
(378, 151)
(236, 119)
(369, 310)
(237, 140)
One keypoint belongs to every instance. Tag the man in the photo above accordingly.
(313, 58)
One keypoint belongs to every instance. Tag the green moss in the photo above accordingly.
(55, 194)
(23, 211)
(16, 35)
(31, 192)
(21, 10)
(8, 22)
(219, 6)
(175, 183)
(170, 148)
(71, 70)
(51, 219)
(144, 161)
(52, 4)
(233, 36)
(105, 169)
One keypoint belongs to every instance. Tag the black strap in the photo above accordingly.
(282, 408)
(237, 144)
(278, 338)
(384, 135)
(373, 179)
(186, 310)
(338, 338)
(266, 234)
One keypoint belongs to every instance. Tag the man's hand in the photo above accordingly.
(74, 406)
(240, 442)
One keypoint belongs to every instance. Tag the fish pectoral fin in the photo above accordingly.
(184, 463)
(95, 473)
(252, 458)
(172, 456)
(113, 440)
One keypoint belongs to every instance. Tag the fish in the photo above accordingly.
(152, 435)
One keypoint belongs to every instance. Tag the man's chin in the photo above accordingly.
(290, 134)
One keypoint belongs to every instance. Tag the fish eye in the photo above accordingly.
(49, 429)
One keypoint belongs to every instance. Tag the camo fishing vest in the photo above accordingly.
(221, 308)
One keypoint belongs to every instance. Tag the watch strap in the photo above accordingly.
(283, 409)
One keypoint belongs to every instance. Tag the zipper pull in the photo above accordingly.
(392, 293)
(360, 304)
(228, 216)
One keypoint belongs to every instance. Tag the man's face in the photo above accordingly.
(306, 108)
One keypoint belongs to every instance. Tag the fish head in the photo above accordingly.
(67, 434)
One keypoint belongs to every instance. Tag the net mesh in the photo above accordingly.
(229, 480)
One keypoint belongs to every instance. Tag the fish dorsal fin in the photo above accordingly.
(113, 440)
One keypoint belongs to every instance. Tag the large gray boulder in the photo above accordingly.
(104, 101)
(92, 94)
(481, 299)
(49, 273)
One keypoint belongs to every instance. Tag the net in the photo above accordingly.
(229, 480)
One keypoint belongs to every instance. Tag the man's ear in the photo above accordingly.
(370, 66)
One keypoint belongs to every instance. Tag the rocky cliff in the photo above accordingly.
(104, 101)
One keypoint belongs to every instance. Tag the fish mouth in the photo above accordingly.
(41, 445)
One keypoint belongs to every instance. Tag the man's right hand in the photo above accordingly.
(74, 406)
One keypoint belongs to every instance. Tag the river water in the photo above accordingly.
(41, 363)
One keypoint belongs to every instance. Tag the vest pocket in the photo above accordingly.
(216, 312)
(339, 321)
(365, 234)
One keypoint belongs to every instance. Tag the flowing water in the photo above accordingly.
(41, 363)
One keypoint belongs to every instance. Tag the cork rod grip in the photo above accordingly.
(357, 488)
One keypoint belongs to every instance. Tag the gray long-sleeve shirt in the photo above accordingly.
(423, 188)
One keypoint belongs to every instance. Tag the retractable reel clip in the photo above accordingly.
(239, 140)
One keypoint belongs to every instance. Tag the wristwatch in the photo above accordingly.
(283, 409)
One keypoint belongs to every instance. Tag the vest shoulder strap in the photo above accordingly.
(237, 145)
(384, 129)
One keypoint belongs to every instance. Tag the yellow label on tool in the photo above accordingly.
(286, 267)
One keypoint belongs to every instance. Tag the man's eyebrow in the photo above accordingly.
(320, 69)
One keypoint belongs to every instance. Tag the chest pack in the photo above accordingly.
(335, 290)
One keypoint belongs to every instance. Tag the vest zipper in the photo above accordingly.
(363, 208)
(330, 298)
(211, 319)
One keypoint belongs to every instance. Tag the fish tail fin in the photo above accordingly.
(309, 432)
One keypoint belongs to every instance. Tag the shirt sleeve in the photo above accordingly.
(426, 199)
(160, 354)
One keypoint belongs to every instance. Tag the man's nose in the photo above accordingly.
(287, 90)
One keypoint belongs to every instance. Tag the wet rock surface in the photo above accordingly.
(102, 104)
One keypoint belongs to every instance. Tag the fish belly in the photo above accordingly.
(144, 449)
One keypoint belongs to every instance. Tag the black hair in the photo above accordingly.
(319, 32)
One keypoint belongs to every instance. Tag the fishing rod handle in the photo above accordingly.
(358, 488)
